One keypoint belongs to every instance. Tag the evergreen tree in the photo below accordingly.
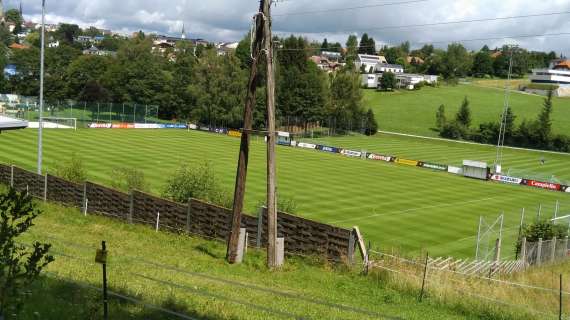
(364, 42)
(440, 119)
(464, 114)
(351, 49)
(388, 81)
(325, 45)
(371, 124)
(544, 121)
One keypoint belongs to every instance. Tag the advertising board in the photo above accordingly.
(407, 162)
(306, 145)
(433, 166)
(506, 179)
(99, 125)
(379, 157)
(351, 153)
(328, 149)
(542, 185)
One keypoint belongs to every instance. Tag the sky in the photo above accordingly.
(229, 20)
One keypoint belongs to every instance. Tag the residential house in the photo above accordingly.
(557, 74)
(224, 48)
(17, 46)
(369, 62)
(386, 67)
(414, 60)
(332, 56)
(53, 44)
(325, 64)
(94, 51)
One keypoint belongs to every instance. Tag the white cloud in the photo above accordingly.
(219, 20)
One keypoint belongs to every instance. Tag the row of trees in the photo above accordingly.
(196, 84)
(535, 133)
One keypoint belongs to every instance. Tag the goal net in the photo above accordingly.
(59, 123)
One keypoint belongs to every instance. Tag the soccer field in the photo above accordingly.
(395, 206)
(414, 111)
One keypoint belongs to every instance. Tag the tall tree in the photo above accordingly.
(325, 45)
(364, 43)
(388, 81)
(544, 120)
(67, 32)
(457, 61)
(482, 64)
(440, 119)
(463, 116)
(351, 49)
(14, 16)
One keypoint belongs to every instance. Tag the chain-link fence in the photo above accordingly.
(547, 251)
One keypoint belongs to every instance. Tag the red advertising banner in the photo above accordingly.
(543, 185)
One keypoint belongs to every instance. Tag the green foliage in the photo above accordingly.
(457, 61)
(542, 86)
(482, 64)
(544, 229)
(71, 169)
(544, 121)
(19, 266)
(351, 49)
(198, 182)
(463, 116)
(287, 205)
(345, 104)
(367, 45)
(388, 81)
(14, 16)
(129, 179)
(440, 118)
(67, 32)
(371, 126)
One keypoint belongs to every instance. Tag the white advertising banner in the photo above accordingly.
(454, 170)
(506, 179)
(307, 145)
(351, 153)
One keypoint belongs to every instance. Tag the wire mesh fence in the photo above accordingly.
(547, 251)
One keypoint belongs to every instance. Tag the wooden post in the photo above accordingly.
(271, 162)
(85, 197)
(560, 300)
(360, 241)
(259, 227)
(424, 278)
(45, 187)
(351, 244)
(539, 252)
(239, 191)
(157, 220)
(497, 250)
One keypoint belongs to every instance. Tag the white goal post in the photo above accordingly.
(59, 123)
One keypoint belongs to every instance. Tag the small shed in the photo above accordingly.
(476, 169)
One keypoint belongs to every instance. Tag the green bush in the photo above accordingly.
(128, 179)
(198, 182)
(545, 230)
(284, 204)
(71, 170)
(20, 265)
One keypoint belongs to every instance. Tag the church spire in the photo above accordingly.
(183, 31)
(21, 9)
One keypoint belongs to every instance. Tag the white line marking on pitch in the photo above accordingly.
(413, 209)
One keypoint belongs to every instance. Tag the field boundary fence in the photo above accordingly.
(444, 277)
(302, 236)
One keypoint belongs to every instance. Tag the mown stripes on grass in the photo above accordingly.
(395, 206)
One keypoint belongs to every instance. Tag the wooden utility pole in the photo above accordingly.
(271, 136)
(239, 192)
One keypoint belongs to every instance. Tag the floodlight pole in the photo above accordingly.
(40, 122)
(503, 127)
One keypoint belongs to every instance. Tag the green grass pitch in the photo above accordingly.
(395, 206)
(414, 111)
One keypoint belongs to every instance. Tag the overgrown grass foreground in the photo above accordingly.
(167, 276)
(395, 206)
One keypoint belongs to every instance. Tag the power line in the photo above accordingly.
(456, 40)
(466, 21)
(348, 8)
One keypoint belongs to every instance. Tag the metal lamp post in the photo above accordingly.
(40, 123)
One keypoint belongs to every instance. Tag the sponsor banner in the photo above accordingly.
(306, 145)
(284, 143)
(123, 126)
(100, 125)
(543, 185)
(566, 189)
(378, 157)
(204, 128)
(454, 170)
(173, 126)
(147, 126)
(293, 143)
(328, 149)
(193, 126)
(506, 179)
(351, 153)
(234, 133)
(219, 130)
(407, 162)
(433, 166)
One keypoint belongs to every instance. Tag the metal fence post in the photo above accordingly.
(85, 197)
(523, 250)
(539, 252)
(45, 187)
(553, 249)
(259, 227)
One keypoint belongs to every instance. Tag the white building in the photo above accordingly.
(369, 62)
(558, 73)
(403, 80)
(385, 67)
